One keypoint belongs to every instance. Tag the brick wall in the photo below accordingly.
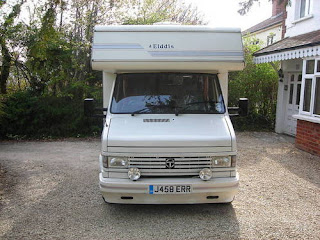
(278, 6)
(284, 27)
(308, 137)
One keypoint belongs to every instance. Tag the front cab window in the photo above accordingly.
(166, 93)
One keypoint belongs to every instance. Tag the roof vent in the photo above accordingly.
(156, 120)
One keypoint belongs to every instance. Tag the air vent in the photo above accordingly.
(156, 120)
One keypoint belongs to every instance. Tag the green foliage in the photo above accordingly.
(7, 32)
(27, 115)
(152, 11)
(257, 82)
(47, 55)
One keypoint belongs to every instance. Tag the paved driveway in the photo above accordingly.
(50, 190)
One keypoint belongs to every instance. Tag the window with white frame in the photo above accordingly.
(303, 8)
(270, 39)
(310, 104)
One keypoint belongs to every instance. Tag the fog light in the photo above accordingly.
(205, 174)
(134, 174)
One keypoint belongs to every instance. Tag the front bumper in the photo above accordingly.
(219, 190)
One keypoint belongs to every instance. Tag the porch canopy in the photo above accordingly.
(301, 46)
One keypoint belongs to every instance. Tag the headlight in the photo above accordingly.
(118, 162)
(223, 161)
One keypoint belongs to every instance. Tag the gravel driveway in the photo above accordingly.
(50, 190)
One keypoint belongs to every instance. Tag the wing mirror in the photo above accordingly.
(242, 110)
(90, 109)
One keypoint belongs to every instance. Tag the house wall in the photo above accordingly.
(295, 26)
(308, 137)
(263, 35)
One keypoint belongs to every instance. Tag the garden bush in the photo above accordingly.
(25, 115)
(258, 83)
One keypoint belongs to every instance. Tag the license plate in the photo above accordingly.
(170, 189)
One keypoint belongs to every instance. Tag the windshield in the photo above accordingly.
(166, 93)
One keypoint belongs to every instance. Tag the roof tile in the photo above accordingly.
(303, 40)
(265, 24)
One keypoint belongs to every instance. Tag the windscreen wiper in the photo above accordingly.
(139, 111)
(151, 106)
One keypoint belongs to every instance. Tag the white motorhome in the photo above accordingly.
(167, 136)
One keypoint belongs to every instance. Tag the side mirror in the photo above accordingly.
(243, 107)
(89, 107)
(242, 110)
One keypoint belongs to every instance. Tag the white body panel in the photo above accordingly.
(113, 189)
(189, 130)
(169, 48)
(196, 49)
(159, 48)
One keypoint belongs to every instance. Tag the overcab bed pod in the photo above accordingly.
(166, 48)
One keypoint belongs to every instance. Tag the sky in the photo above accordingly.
(223, 13)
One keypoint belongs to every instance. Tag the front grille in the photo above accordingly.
(183, 166)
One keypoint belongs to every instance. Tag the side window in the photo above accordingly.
(269, 40)
(310, 103)
(307, 95)
(303, 8)
(255, 42)
(310, 66)
(291, 93)
(316, 109)
(298, 93)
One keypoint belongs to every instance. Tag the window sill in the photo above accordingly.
(307, 118)
(302, 19)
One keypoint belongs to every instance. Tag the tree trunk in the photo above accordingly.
(5, 68)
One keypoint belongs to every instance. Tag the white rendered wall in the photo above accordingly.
(263, 35)
(307, 24)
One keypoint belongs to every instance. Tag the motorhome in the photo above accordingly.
(167, 136)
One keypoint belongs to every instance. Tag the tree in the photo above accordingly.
(245, 6)
(151, 11)
(48, 54)
(7, 32)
